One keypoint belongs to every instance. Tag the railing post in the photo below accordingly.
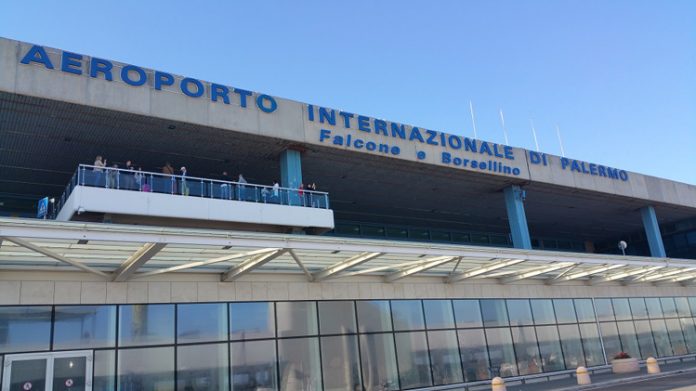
(118, 179)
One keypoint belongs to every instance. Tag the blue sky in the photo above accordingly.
(618, 77)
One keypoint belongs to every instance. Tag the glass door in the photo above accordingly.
(60, 371)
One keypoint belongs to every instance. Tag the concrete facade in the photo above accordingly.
(290, 122)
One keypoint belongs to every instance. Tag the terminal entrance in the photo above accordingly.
(61, 371)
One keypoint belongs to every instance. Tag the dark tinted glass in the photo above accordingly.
(253, 365)
(467, 313)
(77, 327)
(444, 354)
(201, 322)
(202, 367)
(543, 311)
(565, 310)
(520, 312)
(25, 328)
(438, 314)
(412, 356)
(373, 315)
(378, 359)
(472, 347)
(146, 369)
(337, 317)
(251, 320)
(494, 313)
(407, 315)
(340, 363)
(299, 365)
(146, 324)
(296, 318)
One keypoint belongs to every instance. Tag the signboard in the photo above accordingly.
(42, 208)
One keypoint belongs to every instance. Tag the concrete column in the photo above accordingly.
(652, 231)
(514, 202)
(290, 168)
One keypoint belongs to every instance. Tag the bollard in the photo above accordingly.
(583, 376)
(652, 365)
(498, 384)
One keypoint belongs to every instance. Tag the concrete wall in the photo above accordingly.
(97, 199)
(79, 288)
(289, 122)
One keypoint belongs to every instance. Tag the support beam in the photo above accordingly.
(301, 265)
(514, 203)
(684, 280)
(654, 277)
(431, 263)
(482, 270)
(529, 273)
(585, 273)
(206, 262)
(622, 275)
(251, 264)
(135, 261)
(652, 231)
(344, 265)
(51, 254)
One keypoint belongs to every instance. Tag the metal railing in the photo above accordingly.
(183, 185)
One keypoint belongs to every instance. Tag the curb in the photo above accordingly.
(627, 380)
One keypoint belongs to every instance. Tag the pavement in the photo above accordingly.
(679, 376)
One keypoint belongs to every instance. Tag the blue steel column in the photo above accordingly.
(290, 169)
(652, 231)
(518, 220)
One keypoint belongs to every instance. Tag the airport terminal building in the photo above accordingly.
(232, 240)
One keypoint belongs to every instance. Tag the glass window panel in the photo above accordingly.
(340, 363)
(591, 344)
(379, 362)
(104, 377)
(407, 315)
(526, 349)
(585, 310)
(494, 313)
(571, 345)
(252, 320)
(543, 311)
(692, 304)
(69, 368)
(373, 315)
(638, 308)
(627, 335)
(296, 318)
(550, 348)
(645, 339)
(444, 356)
(519, 311)
(610, 337)
(412, 357)
(654, 307)
(438, 314)
(689, 329)
(299, 365)
(145, 324)
(337, 317)
(25, 329)
(669, 308)
(501, 353)
(1, 366)
(253, 365)
(31, 371)
(202, 367)
(682, 306)
(605, 311)
(77, 327)
(676, 337)
(467, 313)
(201, 322)
(472, 347)
(622, 310)
(659, 329)
(565, 311)
(146, 369)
